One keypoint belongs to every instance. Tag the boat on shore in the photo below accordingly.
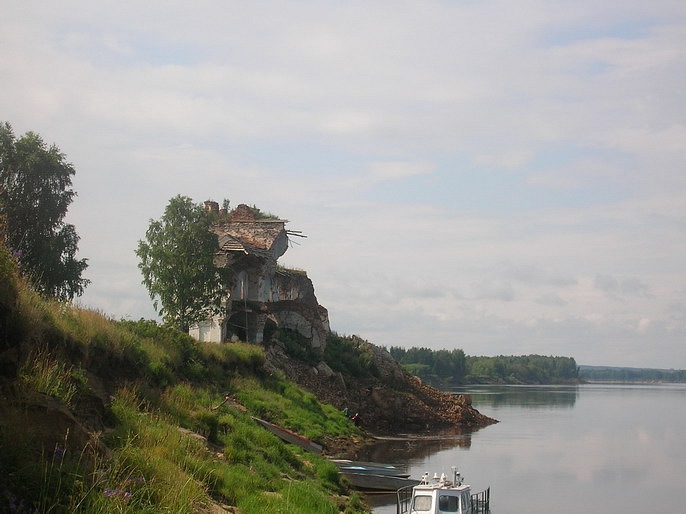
(374, 476)
(290, 437)
(370, 468)
(438, 494)
(378, 483)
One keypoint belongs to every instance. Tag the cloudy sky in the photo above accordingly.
(505, 177)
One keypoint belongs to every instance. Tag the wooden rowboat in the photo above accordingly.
(290, 437)
(370, 468)
(348, 462)
(373, 482)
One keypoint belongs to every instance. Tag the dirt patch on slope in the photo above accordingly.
(391, 403)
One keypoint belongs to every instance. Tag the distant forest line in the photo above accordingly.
(453, 367)
(617, 374)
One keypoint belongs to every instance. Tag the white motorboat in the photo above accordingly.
(439, 495)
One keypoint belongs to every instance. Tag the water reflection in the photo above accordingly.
(410, 453)
(521, 396)
(591, 448)
(414, 448)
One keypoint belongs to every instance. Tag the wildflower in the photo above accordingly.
(109, 493)
(19, 506)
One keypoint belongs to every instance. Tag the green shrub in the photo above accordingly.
(297, 347)
(349, 354)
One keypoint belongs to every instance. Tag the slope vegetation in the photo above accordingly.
(98, 416)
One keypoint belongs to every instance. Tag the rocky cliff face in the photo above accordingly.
(390, 403)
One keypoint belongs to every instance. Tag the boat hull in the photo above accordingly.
(370, 468)
(372, 482)
(290, 437)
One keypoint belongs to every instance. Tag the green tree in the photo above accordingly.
(35, 193)
(177, 262)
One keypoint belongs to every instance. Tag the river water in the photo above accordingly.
(591, 449)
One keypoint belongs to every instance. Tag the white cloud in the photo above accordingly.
(503, 177)
(393, 170)
(644, 324)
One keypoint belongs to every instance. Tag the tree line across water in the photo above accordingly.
(453, 367)
(644, 375)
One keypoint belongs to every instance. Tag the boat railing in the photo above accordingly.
(404, 499)
(481, 502)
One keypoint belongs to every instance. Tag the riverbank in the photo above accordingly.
(389, 401)
(101, 416)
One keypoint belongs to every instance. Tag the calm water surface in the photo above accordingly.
(586, 449)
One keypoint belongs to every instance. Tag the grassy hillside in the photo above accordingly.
(100, 416)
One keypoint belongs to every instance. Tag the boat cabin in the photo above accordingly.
(439, 495)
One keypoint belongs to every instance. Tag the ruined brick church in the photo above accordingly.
(261, 296)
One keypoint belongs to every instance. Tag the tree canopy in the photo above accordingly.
(35, 193)
(177, 262)
(618, 374)
(454, 367)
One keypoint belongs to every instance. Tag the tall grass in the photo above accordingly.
(284, 403)
(43, 374)
(294, 498)
(249, 467)
(252, 469)
(155, 467)
(172, 444)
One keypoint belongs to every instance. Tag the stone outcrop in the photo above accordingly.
(389, 403)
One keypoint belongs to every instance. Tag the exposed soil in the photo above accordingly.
(392, 403)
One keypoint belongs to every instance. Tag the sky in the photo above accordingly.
(504, 177)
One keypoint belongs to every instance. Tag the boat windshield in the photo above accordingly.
(448, 503)
(422, 503)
